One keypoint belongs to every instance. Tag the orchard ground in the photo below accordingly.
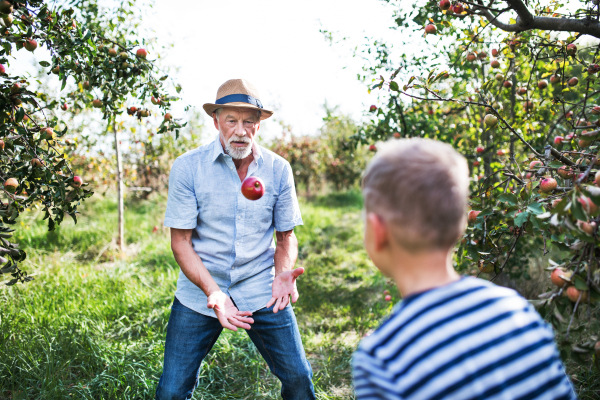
(92, 325)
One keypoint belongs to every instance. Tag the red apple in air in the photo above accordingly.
(571, 49)
(373, 108)
(573, 81)
(141, 53)
(548, 184)
(458, 8)
(479, 149)
(543, 84)
(77, 182)
(507, 84)
(445, 4)
(471, 57)
(97, 103)
(556, 279)
(554, 79)
(495, 52)
(558, 140)
(472, 216)
(30, 45)
(495, 63)
(253, 188)
(430, 29)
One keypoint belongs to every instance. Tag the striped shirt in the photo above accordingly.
(469, 339)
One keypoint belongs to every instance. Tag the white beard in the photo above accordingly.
(239, 152)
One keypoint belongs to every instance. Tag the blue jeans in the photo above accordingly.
(191, 335)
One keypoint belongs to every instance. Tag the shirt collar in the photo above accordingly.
(218, 150)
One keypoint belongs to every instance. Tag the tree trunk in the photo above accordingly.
(121, 238)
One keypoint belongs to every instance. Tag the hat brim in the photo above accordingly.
(210, 108)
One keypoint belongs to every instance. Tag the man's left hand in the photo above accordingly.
(284, 286)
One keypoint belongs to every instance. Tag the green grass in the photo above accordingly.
(92, 324)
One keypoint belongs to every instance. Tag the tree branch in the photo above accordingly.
(527, 21)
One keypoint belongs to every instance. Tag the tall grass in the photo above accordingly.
(92, 324)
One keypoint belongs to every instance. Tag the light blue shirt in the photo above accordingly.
(232, 235)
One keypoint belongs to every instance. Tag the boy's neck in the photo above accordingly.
(417, 272)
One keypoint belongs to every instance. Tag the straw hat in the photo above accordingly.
(237, 93)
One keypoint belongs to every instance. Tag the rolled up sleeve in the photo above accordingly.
(182, 206)
(287, 210)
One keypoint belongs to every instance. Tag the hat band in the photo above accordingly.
(240, 98)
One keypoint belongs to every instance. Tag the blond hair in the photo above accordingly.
(420, 189)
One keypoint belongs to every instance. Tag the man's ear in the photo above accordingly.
(379, 229)
(215, 120)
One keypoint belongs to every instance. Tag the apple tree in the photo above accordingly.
(106, 66)
(514, 87)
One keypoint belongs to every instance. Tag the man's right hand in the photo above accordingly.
(227, 313)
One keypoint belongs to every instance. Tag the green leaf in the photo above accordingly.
(20, 114)
(535, 208)
(521, 218)
(579, 282)
(394, 86)
(508, 198)
(44, 63)
(555, 164)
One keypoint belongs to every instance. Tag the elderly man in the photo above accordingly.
(232, 274)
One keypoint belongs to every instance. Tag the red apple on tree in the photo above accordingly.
(77, 182)
(573, 81)
(554, 79)
(499, 77)
(575, 294)
(445, 4)
(430, 29)
(495, 63)
(556, 279)
(593, 68)
(1, 144)
(521, 90)
(558, 139)
(373, 147)
(47, 133)
(141, 53)
(112, 52)
(397, 135)
(490, 120)
(584, 143)
(597, 178)
(548, 184)
(253, 188)
(569, 115)
(36, 162)
(495, 52)
(11, 185)
(571, 49)
(458, 8)
(30, 45)
(482, 55)
(373, 108)
(97, 103)
(588, 205)
(86, 85)
(471, 57)
(168, 117)
(587, 227)
(543, 84)
(479, 149)
(155, 100)
(64, 106)
(507, 84)
(2, 70)
(596, 110)
(388, 297)
(535, 164)
(472, 216)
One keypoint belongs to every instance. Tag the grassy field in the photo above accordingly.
(92, 325)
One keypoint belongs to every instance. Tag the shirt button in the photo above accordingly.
(239, 217)
(232, 267)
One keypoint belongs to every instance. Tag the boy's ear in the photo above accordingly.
(381, 234)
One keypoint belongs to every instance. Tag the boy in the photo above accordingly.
(451, 337)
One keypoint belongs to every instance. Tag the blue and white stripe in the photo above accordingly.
(467, 340)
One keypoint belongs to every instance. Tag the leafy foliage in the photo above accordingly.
(520, 106)
(106, 64)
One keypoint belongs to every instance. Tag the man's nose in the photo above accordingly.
(239, 129)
